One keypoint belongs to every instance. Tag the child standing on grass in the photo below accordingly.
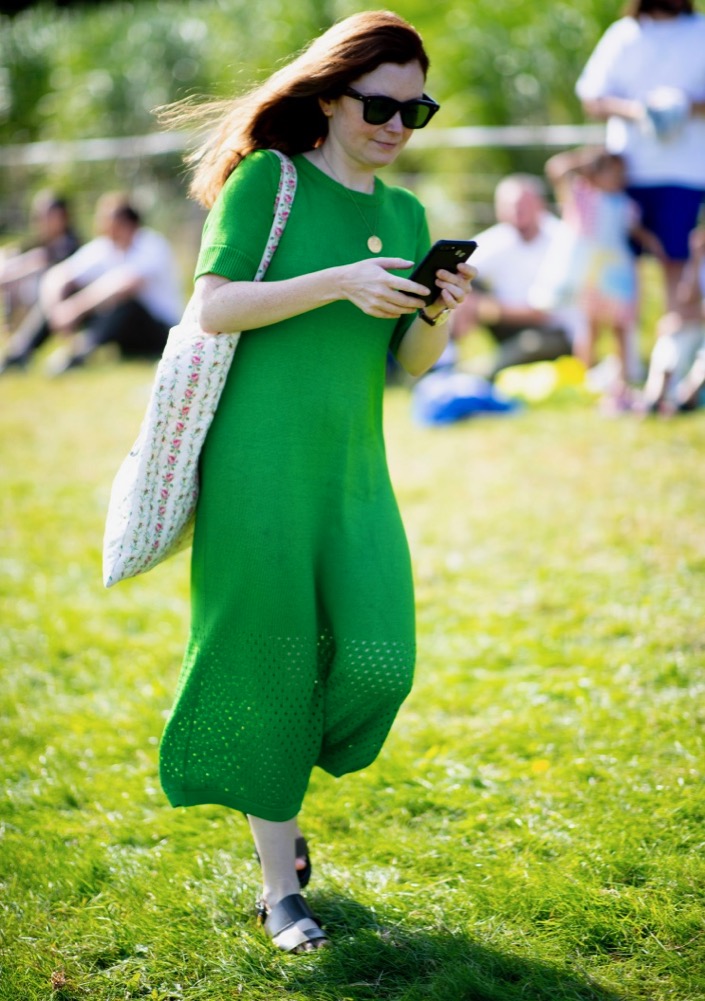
(600, 272)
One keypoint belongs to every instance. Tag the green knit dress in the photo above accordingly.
(301, 647)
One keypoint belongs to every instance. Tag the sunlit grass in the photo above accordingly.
(534, 826)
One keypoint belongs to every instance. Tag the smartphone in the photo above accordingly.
(446, 254)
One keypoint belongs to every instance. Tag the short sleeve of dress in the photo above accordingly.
(237, 227)
(423, 243)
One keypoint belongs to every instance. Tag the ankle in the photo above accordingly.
(273, 893)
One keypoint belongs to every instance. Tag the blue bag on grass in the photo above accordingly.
(446, 396)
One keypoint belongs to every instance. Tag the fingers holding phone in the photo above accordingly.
(447, 276)
(455, 285)
(442, 275)
(445, 273)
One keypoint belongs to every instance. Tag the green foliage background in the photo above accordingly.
(80, 72)
(94, 71)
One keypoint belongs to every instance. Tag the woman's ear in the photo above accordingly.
(326, 106)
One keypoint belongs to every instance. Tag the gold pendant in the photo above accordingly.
(374, 244)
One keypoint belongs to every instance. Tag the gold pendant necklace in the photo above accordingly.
(374, 243)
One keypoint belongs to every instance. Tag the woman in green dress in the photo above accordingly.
(301, 647)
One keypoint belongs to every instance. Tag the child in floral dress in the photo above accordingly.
(599, 274)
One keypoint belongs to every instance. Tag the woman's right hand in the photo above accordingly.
(370, 285)
(223, 305)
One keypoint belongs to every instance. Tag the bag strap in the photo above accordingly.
(282, 208)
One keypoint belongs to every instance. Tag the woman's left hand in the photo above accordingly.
(422, 346)
(454, 287)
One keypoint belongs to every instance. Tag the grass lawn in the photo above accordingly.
(533, 830)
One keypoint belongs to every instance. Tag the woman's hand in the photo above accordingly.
(422, 345)
(371, 286)
(454, 287)
(223, 305)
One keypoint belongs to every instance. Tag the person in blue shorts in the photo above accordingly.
(646, 77)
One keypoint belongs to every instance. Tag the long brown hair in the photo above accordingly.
(283, 112)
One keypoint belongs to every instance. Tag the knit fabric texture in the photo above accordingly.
(301, 648)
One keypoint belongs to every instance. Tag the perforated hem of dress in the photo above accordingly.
(275, 707)
(215, 797)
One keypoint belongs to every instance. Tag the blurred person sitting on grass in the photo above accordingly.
(121, 288)
(677, 367)
(509, 258)
(53, 239)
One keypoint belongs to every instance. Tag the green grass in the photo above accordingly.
(534, 828)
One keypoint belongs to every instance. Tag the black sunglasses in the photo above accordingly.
(377, 109)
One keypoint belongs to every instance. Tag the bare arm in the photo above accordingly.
(14, 269)
(110, 288)
(620, 107)
(226, 306)
(689, 293)
(649, 241)
(422, 345)
(602, 108)
(574, 161)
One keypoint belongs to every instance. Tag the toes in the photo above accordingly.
(319, 943)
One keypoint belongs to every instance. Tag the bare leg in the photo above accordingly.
(621, 335)
(690, 386)
(672, 273)
(275, 846)
(661, 367)
(585, 346)
(29, 336)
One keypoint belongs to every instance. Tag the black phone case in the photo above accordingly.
(446, 254)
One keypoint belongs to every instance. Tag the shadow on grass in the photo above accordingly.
(372, 959)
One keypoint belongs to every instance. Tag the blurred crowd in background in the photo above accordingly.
(559, 272)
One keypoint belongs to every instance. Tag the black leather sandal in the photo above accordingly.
(291, 925)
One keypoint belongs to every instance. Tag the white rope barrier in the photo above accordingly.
(41, 154)
(466, 137)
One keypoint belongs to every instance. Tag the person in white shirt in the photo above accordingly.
(646, 77)
(120, 288)
(504, 298)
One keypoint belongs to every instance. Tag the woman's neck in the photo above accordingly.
(342, 169)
